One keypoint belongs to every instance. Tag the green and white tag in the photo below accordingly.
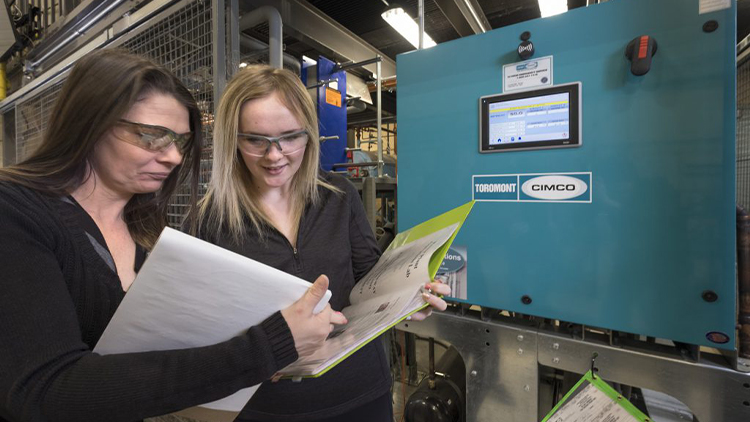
(593, 400)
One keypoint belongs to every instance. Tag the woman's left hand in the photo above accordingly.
(432, 296)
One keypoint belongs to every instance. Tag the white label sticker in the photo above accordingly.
(530, 74)
(706, 6)
(592, 405)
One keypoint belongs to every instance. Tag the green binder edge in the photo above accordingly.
(456, 215)
(607, 390)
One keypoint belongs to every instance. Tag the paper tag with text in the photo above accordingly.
(593, 400)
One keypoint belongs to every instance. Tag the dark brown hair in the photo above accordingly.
(101, 88)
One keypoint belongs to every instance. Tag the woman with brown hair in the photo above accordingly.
(77, 219)
(269, 200)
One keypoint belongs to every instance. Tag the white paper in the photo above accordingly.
(592, 405)
(190, 293)
(390, 291)
(403, 268)
(707, 6)
(529, 74)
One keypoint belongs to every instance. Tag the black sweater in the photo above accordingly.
(57, 295)
(335, 239)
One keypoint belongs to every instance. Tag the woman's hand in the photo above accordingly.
(432, 296)
(311, 330)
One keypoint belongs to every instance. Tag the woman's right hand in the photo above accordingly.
(311, 330)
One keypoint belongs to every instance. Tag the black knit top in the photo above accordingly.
(58, 293)
(334, 238)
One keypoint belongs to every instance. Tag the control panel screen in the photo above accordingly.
(546, 118)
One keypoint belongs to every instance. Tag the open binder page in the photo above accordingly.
(402, 269)
(366, 321)
(191, 293)
(387, 294)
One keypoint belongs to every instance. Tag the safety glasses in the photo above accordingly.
(154, 138)
(259, 145)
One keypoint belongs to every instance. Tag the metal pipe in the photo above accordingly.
(363, 164)
(234, 37)
(3, 86)
(275, 31)
(368, 122)
(45, 19)
(323, 82)
(431, 381)
(421, 24)
(743, 280)
(378, 68)
(77, 33)
(350, 65)
(250, 43)
(219, 46)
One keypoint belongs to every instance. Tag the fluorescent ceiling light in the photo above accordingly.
(474, 15)
(552, 7)
(405, 25)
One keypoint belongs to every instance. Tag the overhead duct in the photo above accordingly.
(311, 26)
(81, 20)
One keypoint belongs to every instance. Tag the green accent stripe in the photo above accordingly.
(610, 392)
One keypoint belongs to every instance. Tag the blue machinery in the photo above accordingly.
(645, 244)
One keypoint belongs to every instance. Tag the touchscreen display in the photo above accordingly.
(539, 119)
(534, 119)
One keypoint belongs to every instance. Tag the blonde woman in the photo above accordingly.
(270, 201)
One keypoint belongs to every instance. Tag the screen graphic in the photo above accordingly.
(542, 118)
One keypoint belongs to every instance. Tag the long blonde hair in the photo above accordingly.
(231, 196)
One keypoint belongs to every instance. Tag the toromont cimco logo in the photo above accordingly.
(554, 187)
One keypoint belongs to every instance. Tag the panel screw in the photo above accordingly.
(525, 299)
(520, 351)
(520, 337)
(709, 296)
(556, 346)
(526, 388)
(556, 360)
(473, 373)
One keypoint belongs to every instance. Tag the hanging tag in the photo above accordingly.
(593, 400)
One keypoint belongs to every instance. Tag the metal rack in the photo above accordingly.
(182, 42)
(31, 119)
